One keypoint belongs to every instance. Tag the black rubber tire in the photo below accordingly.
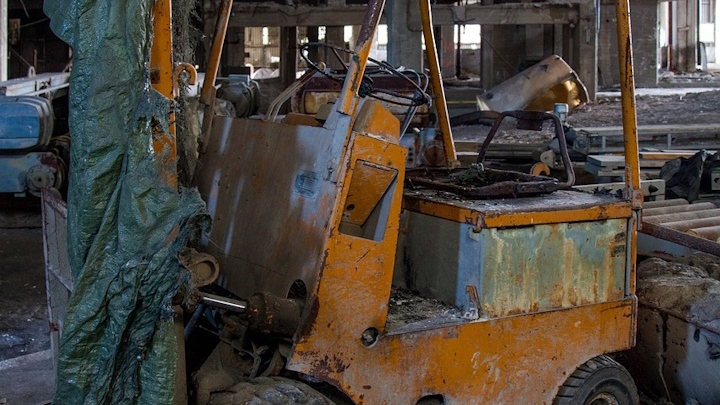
(270, 391)
(601, 380)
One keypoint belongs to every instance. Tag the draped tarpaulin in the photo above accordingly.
(125, 226)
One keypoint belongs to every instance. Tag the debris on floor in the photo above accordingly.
(23, 320)
(407, 308)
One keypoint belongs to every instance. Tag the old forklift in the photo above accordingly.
(345, 279)
(381, 286)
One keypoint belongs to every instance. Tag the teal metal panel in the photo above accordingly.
(501, 272)
(553, 266)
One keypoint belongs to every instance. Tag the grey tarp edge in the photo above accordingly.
(125, 227)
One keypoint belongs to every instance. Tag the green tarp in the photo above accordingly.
(125, 228)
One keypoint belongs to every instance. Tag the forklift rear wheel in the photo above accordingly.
(600, 381)
(270, 391)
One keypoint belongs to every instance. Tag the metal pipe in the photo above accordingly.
(193, 320)
(676, 209)
(665, 203)
(436, 82)
(223, 302)
(3, 40)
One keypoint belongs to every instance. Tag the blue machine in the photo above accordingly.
(30, 157)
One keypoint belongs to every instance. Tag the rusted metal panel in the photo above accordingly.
(558, 207)
(552, 266)
(520, 90)
(515, 270)
(367, 187)
(268, 190)
(513, 360)
(58, 278)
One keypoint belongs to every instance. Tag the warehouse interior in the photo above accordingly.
(359, 202)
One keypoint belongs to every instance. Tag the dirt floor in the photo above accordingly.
(653, 108)
(26, 365)
(23, 324)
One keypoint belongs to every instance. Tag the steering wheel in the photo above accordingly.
(418, 81)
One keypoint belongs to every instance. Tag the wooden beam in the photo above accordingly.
(276, 15)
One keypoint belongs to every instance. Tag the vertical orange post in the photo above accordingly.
(632, 158)
(348, 97)
(436, 82)
(161, 75)
(207, 95)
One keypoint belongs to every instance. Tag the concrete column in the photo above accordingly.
(288, 56)
(717, 33)
(313, 51)
(334, 36)
(608, 67)
(234, 53)
(645, 18)
(3, 40)
(502, 52)
(644, 15)
(404, 45)
(585, 41)
(446, 49)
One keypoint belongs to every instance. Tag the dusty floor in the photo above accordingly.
(26, 370)
(23, 325)
(653, 108)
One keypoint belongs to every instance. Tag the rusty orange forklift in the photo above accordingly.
(354, 281)
(345, 279)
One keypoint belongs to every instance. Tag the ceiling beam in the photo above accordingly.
(276, 15)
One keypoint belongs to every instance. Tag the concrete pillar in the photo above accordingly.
(313, 51)
(685, 26)
(585, 39)
(288, 57)
(608, 68)
(446, 49)
(3, 40)
(234, 53)
(502, 52)
(717, 33)
(404, 45)
(644, 15)
(334, 36)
